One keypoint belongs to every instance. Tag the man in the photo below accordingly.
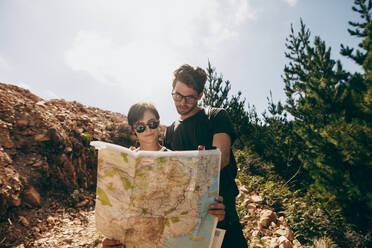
(211, 128)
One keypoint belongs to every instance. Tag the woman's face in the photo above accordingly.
(148, 136)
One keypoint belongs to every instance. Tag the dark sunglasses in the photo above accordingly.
(140, 128)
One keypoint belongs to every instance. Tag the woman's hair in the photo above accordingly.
(193, 77)
(137, 110)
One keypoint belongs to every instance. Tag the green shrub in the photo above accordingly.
(324, 242)
(110, 127)
(308, 217)
(87, 138)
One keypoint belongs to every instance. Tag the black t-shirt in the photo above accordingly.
(199, 130)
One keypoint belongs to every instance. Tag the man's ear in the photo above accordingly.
(200, 96)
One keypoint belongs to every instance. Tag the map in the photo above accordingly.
(156, 199)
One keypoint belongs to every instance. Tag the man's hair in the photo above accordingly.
(193, 77)
(137, 111)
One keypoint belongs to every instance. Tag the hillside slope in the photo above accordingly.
(44, 145)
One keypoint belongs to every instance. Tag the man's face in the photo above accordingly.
(185, 99)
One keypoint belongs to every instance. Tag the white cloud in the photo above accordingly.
(137, 46)
(291, 2)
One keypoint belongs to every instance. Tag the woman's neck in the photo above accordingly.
(150, 147)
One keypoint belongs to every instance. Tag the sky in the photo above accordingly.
(111, 54)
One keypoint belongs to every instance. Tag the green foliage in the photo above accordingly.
(324, 242)
(318, 142)
(250, 163)
(332, 121)
(307, 216)
(216, 94)
(87, 138)
(110, 127)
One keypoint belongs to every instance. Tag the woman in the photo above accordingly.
(143, 118)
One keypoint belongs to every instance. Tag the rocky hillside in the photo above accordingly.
(44, 145)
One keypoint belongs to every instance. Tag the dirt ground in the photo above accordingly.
(61, 221)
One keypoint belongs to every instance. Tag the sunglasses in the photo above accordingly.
(141, 127)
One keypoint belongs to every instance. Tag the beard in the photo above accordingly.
(184, 109)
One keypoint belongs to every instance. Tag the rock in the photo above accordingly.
(273, 225)
(255, 233)
(15, 201)
(244, 189)
(24, 221)
(38, 164)
(284, 242)
(5, 139)
(289, 234)
(266, 217)
(251, 206)
(281, 232)
(274, 242)
(256, 199)
(22, 122)
(297, 244)
(41, 137)
(82, 203)
(37, 235)
(31, 196)
(50, 220)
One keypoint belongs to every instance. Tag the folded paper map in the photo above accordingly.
(151, 199)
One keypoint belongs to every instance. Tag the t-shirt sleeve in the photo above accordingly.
(221, 123)
(168, 136)
(165, 140)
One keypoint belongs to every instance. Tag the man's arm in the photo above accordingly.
(223, 142)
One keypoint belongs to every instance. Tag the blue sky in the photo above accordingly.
(111, 54)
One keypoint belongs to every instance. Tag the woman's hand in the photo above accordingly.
(218, 209)
(112, 243)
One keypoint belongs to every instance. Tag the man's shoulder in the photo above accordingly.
(213, 112)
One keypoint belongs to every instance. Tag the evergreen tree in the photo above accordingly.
(216, 94)
(331, 110)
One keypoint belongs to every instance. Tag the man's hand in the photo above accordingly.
(201, 147)
(218, 209)
(112, 243)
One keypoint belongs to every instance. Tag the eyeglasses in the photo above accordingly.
(141, 127)
(188, 99)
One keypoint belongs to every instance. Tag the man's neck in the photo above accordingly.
(193, 112)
